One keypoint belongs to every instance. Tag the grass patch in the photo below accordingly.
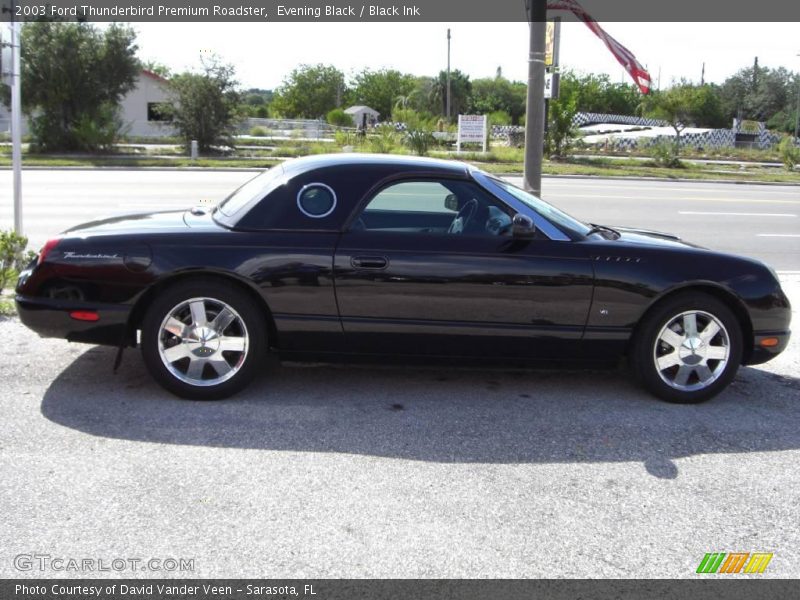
(137, 162)
(7, 307)
(499, 160)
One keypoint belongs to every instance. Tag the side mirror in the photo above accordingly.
(522, 227)
(451, 203)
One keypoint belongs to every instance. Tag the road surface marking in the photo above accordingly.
(792, 235)
(734, 214)
(567, 196)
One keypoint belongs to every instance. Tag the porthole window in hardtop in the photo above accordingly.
(316, 200)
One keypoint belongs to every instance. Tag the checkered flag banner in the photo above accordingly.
(624, 56)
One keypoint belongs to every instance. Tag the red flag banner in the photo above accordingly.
(624, 56)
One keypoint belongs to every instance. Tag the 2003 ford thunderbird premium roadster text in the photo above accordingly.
(351, 255)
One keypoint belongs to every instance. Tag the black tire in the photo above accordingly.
(644, 352)
(248, 324)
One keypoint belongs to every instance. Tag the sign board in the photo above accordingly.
(472, 129)
(551, 81)
(551, 42)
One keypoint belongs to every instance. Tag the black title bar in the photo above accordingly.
(393, 10)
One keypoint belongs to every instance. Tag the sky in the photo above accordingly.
(264, 53)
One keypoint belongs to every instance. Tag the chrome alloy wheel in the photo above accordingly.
(691, 351)
(203, 341)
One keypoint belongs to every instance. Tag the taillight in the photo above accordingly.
(49, 245)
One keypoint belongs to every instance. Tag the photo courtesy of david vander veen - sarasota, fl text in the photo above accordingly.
(162, 590)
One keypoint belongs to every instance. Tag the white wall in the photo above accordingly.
(134, 107)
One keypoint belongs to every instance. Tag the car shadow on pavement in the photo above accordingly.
(439, 414)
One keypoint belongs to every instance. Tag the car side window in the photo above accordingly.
(445, 207)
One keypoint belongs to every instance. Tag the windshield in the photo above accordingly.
(548, 211)
(258, 187)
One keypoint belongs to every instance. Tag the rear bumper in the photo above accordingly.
(51, 318)
(760, 353)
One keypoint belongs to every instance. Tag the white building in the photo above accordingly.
(138, 109)
(363, 115)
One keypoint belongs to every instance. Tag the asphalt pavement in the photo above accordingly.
(365, 471)
(762, 221)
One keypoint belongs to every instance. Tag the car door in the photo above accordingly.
(429, 266)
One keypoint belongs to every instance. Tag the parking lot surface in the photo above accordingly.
(369, 471)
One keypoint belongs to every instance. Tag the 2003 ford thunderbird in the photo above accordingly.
(335, 256)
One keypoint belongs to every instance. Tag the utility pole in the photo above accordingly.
(797, 110)
(703, 76)
(534, 119)
(11, 76)
(448, 74)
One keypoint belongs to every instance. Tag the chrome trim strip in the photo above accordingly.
(316, 184)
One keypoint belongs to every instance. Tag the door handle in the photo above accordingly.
(369, 262)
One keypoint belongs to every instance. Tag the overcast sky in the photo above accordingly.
(264, 53)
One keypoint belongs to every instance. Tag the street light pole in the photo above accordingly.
(16, 123)
(534, 119)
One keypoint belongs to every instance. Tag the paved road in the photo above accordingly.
(756, 220)
(393, 472)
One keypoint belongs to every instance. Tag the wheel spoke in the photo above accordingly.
(220, 365)
(222, 320)
(682, 377)
(198, 309)
(690, 324)
(232, 343)
(176, 353)
(668, 360)
(704, 373)
(672, 338)
(195, 370)
(709, 331)
(175, 327)
(716, 353)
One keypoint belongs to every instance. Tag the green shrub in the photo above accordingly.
(665, 154)
(790, 153)
(345, 138)
(13, 257)
(258, 132)
(384, 140)
(100, 131)
(339, 118)
(499, 117)
(419, 141)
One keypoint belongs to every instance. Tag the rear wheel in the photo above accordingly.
(688, 349)
(204, 341)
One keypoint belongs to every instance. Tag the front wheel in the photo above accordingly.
(203, 340)
(688, 349)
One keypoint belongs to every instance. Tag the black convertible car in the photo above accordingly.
(364, 255)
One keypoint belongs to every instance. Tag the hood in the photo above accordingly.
(645, 237)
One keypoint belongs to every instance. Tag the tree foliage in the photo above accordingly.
(460, 92)
(758, 93)
(596, 93)
(683, 105)
(380, 90)
(310, 91)
(206, 105)
(498, 94)
(73, 78)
